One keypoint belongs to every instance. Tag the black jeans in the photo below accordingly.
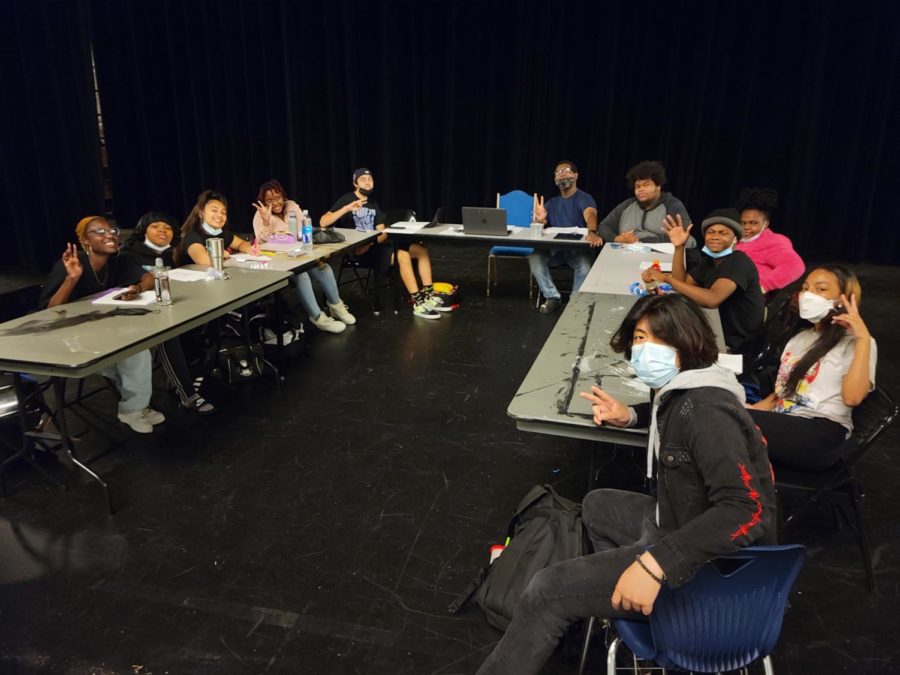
(799, 442)
(621, 525)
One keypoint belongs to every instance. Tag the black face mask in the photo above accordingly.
(365, 192)
(565, 183)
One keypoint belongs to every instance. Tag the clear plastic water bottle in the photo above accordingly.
(161, 284)
(292, 225)
(306, 241)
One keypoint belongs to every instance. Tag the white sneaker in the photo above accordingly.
(136, 421)
(153, 416)
(342, 313)
(421, 309)
(327, 324)
(437, 304)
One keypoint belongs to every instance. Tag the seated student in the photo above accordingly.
(571, 208)
(722, 278)
(778, 263)
(356, 210)
(207, 220)
(272, 209)
(827, 369)
(153, 237)
(714, 488)
(98, 267)
(643, 217)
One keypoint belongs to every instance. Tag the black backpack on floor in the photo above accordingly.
(545, 529)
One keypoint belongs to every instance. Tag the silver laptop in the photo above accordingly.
(490, 222)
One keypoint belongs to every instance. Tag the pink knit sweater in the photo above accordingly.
(775, 258)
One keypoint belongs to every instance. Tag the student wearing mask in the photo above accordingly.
(358, 211)
(272, 212)
(778, 263)
(722, 277)
(642, 218)
(571, 208)
(154, 237)
(99, 267)
(714, 494)
(208, 219)
(827, 369)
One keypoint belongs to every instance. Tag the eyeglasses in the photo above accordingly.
(563, 172)
(103, 231)
(274, 200)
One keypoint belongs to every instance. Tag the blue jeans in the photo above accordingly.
(540, 262)
(324, 276)
(134, 380)
(621, 526)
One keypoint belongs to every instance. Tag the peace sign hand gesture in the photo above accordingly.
(606, 408)
(265, 210)
(851, 320)
(540, 213)
(72, 263)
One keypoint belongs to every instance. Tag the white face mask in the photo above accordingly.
(814, 307)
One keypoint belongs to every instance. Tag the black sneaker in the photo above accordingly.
(550, 305)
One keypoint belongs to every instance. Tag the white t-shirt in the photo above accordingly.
(819, 392)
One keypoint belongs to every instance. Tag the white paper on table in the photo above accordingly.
(565, 230)
(409, 226)
(516, 231)
(663, 247)
(733, 362)
(181, 274)
(145, 298)
(246, 257)
(664, 266)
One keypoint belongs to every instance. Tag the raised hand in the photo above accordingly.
(606, 408)
(265, 210)
(678, 233)
(851, 320)
(357, 205)
(540, 213)
(72, 263)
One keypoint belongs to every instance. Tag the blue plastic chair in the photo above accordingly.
(726, 617)
(518, 205)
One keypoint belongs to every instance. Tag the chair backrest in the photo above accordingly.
(870, 419)
(729, 614)
(518, 207)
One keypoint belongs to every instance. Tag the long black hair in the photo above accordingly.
(675, 320)
(194, 219)
(829, 334)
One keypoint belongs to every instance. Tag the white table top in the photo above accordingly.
(617, 267)
(279, 260)
(453, 232)
(54, 342)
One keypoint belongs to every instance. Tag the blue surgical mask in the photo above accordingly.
(654, 364)
(209, 229)
(720, 254)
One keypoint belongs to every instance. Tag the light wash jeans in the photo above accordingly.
(324, 276)
(134, 380)
(542, 258)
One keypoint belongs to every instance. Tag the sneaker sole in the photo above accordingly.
(426, 316)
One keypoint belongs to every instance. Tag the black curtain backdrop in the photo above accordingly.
(450, 102)
(50, 170)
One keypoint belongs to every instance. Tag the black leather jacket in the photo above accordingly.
(714, 481)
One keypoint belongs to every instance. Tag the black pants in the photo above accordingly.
(621, 525)
(171, 356)
(799, 442)
(378, 257)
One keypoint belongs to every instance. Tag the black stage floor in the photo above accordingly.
(326, 528)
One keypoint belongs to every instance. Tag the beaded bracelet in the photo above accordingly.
(640, 562)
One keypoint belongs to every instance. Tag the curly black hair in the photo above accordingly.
(761, 199)
(646, 170)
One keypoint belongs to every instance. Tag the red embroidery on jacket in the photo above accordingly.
(756, 518)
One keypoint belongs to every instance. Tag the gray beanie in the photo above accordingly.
(727, 217)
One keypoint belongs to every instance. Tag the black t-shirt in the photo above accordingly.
(742, 311)
(363, 219)
(199, 236)
(145, 256)
(118, 273)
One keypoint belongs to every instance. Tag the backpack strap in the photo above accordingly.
(460, 601)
